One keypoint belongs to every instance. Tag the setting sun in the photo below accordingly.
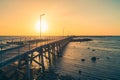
(44, 26)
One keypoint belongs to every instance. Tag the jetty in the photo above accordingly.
(17, 55)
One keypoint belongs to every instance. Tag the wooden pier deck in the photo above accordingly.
(24, 55)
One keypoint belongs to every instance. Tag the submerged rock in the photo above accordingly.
(82, 59)
(108, 57)
(79, 71)
(88, 48)
(93, 58)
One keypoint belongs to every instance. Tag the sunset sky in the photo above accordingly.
(76, 17)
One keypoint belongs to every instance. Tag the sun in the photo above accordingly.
(44, 26)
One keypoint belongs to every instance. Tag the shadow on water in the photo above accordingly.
(51, 75)
(3, 77)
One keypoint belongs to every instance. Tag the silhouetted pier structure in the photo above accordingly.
(17, 55)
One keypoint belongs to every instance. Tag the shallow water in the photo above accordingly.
(106, 67)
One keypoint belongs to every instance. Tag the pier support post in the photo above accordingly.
(27, 68)
(57, 50)
(42, 59)
(49, 55)
(31, 58)
(53, 53)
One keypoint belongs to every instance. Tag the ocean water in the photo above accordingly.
(105, 49)
(106, 66)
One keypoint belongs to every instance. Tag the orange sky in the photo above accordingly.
(77, 17)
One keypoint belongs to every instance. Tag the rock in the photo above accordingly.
(108, 57)
(82, 59)
(93, 58)
(79, 71)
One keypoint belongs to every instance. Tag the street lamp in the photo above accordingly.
(41, 23)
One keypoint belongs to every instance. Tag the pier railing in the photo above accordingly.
(17, 55)
(16, 46)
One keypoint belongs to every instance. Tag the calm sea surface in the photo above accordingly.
(106, 67)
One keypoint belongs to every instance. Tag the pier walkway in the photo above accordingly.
(20, 53)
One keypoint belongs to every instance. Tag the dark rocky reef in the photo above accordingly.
(81, 40)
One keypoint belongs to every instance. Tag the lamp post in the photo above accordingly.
(41, 23)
